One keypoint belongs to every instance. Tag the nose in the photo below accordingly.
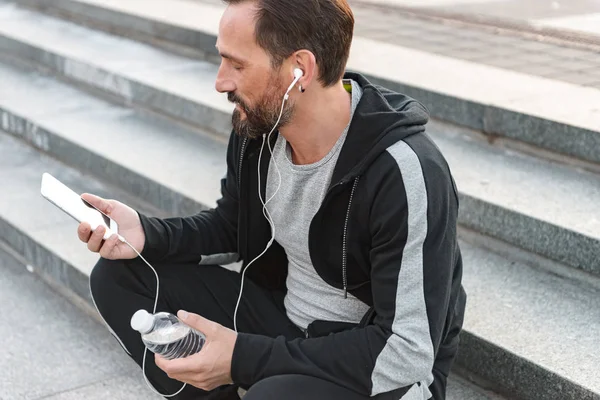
(223, 83)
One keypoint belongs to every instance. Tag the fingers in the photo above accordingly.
(191, 370)
(84, 231)
(108, 248)
(179, 366)
(202, 324)
(161, 362)
(95, 241)
(98, 202)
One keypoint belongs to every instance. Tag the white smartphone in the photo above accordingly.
(71, 203)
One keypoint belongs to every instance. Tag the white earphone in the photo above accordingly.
(297, 75)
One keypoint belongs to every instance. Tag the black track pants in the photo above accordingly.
(120, 288)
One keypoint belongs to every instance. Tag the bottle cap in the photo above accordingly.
(142, 321)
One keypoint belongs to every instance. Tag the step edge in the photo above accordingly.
(483, 117)
(475, 213)
(518, 382)
(49, 142)
(125, 90)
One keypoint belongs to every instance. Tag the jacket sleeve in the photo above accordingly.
(413, 231)
(214, 231)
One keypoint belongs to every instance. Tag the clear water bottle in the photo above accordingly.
(163, 333)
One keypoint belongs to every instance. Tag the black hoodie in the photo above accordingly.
(385, 232)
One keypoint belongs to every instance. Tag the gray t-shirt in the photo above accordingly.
(302, 190)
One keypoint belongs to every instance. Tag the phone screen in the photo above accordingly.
(104, 217)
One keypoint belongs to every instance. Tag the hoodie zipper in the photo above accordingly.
(242, 151)
(240, 164)
(344, 240)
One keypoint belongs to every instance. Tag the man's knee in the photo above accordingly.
(269, 388)
(300, 387)
(104, 275)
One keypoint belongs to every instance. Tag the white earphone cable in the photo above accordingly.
(122, 239)
(265, 213)
(265, 210)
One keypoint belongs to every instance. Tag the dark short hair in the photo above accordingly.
(324, 27)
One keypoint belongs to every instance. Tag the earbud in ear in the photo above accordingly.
(297, 75)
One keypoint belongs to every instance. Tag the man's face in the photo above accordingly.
(247, 76)
(253, 120)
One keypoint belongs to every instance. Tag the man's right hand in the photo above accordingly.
(130, 228)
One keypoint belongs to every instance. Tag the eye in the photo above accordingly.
(237, 67)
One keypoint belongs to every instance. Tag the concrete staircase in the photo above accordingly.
(119, 100)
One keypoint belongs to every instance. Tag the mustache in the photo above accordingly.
(233, 98)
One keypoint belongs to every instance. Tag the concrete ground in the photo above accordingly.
(53, 350)
(578, 16)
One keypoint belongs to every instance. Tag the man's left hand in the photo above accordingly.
(209, 368)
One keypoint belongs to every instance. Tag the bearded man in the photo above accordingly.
(342, 211)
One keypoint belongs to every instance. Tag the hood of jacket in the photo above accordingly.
(382, 118)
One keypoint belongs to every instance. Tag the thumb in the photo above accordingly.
(101, 204)
(197, 322)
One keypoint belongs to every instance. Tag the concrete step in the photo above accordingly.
(28, 220)
(132, 73)
(546, 208)
(503, 104)
(528, 330)
(170, 166)
(95, 136)
(82, 361)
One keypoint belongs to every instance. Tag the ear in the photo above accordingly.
(306, 61)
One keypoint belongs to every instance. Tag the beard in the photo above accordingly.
(262, 117)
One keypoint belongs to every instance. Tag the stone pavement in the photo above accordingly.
(578, 66)
(576, 16)
(52, 350)
(541, 57)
